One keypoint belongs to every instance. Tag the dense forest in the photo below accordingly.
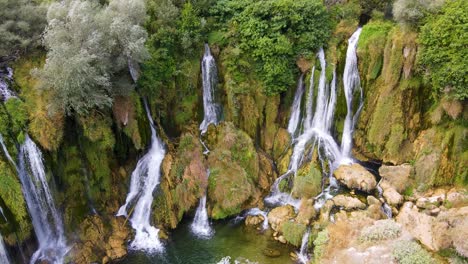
(234, 131)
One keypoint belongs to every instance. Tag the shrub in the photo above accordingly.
(443, 52)
(293, 232)
(410, 252)
(381, 230)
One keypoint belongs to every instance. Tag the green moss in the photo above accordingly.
(307, 182)
(12, 196)
(293, 232)
(397, 136)
(320, 244)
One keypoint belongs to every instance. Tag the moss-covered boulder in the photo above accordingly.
(183, 182)
(307, 182)
(234, 172)
(293, 232)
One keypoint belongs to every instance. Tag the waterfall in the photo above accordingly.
(46, 219)
(296, 107)
(3, 253)
(310, 101)
(145, 178)
(386, 209)
(351, 82)
(317, 127)
(210, 81)
(201, 225)
(6, 76)
(302, 256)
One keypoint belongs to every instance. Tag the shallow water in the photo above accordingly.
(234, 240)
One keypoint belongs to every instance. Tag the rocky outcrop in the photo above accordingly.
(356, 177)
(100, 242)
(279, 215)
(436, 232)
(397, 176)
(348, 202)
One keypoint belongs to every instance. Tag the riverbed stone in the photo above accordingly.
(279, 215)
(391, 195)
(355, 176)
(397, 176)
(348, 202)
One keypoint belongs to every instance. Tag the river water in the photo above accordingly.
(234, 240)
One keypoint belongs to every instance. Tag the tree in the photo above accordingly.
(443, 53)
(412, 12)
(87, 45)
(21, 25)
(276, 32)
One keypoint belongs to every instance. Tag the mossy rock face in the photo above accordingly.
(45, 126)
(184, 181)
(441, 157)
(390, 121)
(18, 228)
(234, 171)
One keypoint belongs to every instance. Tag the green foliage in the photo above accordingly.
(274, 34)
(443, 50)
(410, 252)
(380, 230)
(87, 47)
(189, 26)
(21, 25)
(293, 232)
(374, 5)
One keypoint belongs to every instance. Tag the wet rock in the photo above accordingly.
(356, 177)
(397, 176)
(253, 220)
(392, 197)
(306, 211)
(279, 215)
(348, 202)
(371, 200)
(271, 253)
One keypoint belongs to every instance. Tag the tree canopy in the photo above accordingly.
(21, 25)
(87, 45)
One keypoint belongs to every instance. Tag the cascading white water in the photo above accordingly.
(310, 102)
(201, 225)
(145, 178)
(351, 82)
(296, 107)
(6, 76)
(317, 126)
(257, 211)
(4, 259)
(302, 255)
(46, 219)
(210, 80)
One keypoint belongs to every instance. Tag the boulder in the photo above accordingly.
(348, 202)
(356, 177)
(279, 215)
(397, 176)
(253, 220)
(436, 232)
(392, 197)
